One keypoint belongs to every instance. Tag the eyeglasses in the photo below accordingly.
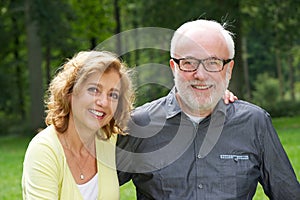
(210, 64)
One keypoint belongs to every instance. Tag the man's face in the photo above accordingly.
(200, 91)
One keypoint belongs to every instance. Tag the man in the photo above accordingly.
(190, 145)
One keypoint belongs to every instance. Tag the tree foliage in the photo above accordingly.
(266, 90)
(266, 36)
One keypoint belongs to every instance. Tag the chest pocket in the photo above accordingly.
(238, 175)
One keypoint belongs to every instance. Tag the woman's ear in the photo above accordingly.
(69, 98)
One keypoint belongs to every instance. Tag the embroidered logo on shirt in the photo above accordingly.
(235, 157)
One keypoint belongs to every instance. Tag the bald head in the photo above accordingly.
(202, 36)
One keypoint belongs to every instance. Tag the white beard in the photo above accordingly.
(197, 102)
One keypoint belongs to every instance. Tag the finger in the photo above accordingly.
(226, 101)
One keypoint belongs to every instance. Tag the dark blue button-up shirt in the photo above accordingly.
(167, 156)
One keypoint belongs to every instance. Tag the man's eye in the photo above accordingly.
(214, 62)
(191, 62)
(114, 95)
(186, 62)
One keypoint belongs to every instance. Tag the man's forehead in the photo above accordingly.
(205, 42)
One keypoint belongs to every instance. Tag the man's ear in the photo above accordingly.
(231, 65)
(172, 65)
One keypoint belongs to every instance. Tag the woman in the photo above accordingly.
(74, 157)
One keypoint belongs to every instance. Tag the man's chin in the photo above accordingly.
(200, 104)
(204, 104)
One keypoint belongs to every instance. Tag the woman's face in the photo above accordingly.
(96, 102)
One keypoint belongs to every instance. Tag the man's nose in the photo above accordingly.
(201, 72)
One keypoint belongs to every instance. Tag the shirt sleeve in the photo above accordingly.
(277, 175)
(40, 172)
(124, 160)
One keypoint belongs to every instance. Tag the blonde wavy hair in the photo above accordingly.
(69, 79)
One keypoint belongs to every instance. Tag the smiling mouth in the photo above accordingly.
(97, 113)
(202, 87)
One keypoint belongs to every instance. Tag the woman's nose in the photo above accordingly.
(102, 100)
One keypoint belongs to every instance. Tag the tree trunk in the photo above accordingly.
(291, 78)
(118, 27)
(245, 66)
(280, 76)
(35, 69)
(237, 80)
(48, 63)
(20, 94)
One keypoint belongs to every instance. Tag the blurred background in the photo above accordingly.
(37, 36)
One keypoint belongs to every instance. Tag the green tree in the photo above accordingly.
(266, 36)
(275, 29)
(172, 13)
(266, 92)
(53, 21)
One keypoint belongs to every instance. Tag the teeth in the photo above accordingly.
(201, 87)
(100, 114)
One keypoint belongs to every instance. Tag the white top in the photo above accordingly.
(195, 119)
(89, 190)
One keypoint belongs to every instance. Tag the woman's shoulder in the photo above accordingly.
(45, 141)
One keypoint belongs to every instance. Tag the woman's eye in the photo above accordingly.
(93, 90)
(114, 95)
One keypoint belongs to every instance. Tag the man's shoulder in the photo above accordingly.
(244, 107)
(150, 106)
(247, 104)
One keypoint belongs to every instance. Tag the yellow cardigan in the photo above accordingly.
(46, 174)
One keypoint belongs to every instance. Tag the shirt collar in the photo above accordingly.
(172, 106)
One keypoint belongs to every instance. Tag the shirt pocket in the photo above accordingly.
(237, 173)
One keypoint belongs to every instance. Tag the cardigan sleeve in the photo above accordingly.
(40, 179)
(40, 174)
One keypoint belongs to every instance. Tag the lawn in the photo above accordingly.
(12, 149)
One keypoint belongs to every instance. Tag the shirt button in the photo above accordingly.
(198, 156)
(200, 186)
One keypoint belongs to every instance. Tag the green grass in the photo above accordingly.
(12, 149)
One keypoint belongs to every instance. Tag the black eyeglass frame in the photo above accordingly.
(177, 61)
